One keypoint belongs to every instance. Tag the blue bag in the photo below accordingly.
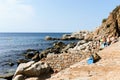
(90, 60)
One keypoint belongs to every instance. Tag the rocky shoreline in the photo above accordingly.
(58, 57)
(43, 65)
(54, 59)
(81, 35)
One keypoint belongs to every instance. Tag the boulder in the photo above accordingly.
(81, 42)
(36, 57)
(22, 61)
(48, 38)
(66, 37)
(70, 45)
(19, 77)
(22, 67)
(32, 68)
(50, 55)
(89, 37)
(58, 44)
(30, 53)
(44, 53)
(51, 38)
(11, 64)
(7, 76)
(78, 35)
(57, 47)
(80, 45)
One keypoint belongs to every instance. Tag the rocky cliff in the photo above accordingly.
(111, 25)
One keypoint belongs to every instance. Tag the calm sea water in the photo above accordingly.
(13, 44)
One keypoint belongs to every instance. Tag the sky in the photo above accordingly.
(53, 15)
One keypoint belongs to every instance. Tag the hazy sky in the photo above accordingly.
(53, 15)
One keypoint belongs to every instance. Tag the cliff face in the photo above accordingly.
(111, 25)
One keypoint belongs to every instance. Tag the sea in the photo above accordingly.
(12, 46)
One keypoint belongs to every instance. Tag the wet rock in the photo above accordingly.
(22, 61)
(7, 76)
(56, 49)
(44, 53)
(2, 79)
(48, 38)
(31, 50)
(30, 53)
(58, 44)
(36, 57)
(11, 63)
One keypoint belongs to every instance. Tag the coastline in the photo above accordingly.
(96, 55)
(58, 57)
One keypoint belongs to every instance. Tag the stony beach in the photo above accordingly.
(69, 61)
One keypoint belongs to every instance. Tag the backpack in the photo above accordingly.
(93, 58)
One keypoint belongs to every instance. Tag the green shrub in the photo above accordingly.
(104, 20)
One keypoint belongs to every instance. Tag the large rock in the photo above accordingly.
(7, 76)
(111, 25)
(89, 37)
(48, 38)
(32, 69)
(30, 53)
(66, 37)
(21, 61)
(51, 38)
(56, 49)
(78, 35)
(19, 77)
(70, 45)
(22, 67)
(36, 57)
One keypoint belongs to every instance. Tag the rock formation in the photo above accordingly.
(34, 69)
(111, 25)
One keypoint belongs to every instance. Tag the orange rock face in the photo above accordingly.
(111, 26)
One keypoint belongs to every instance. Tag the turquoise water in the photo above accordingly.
(12, 45)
